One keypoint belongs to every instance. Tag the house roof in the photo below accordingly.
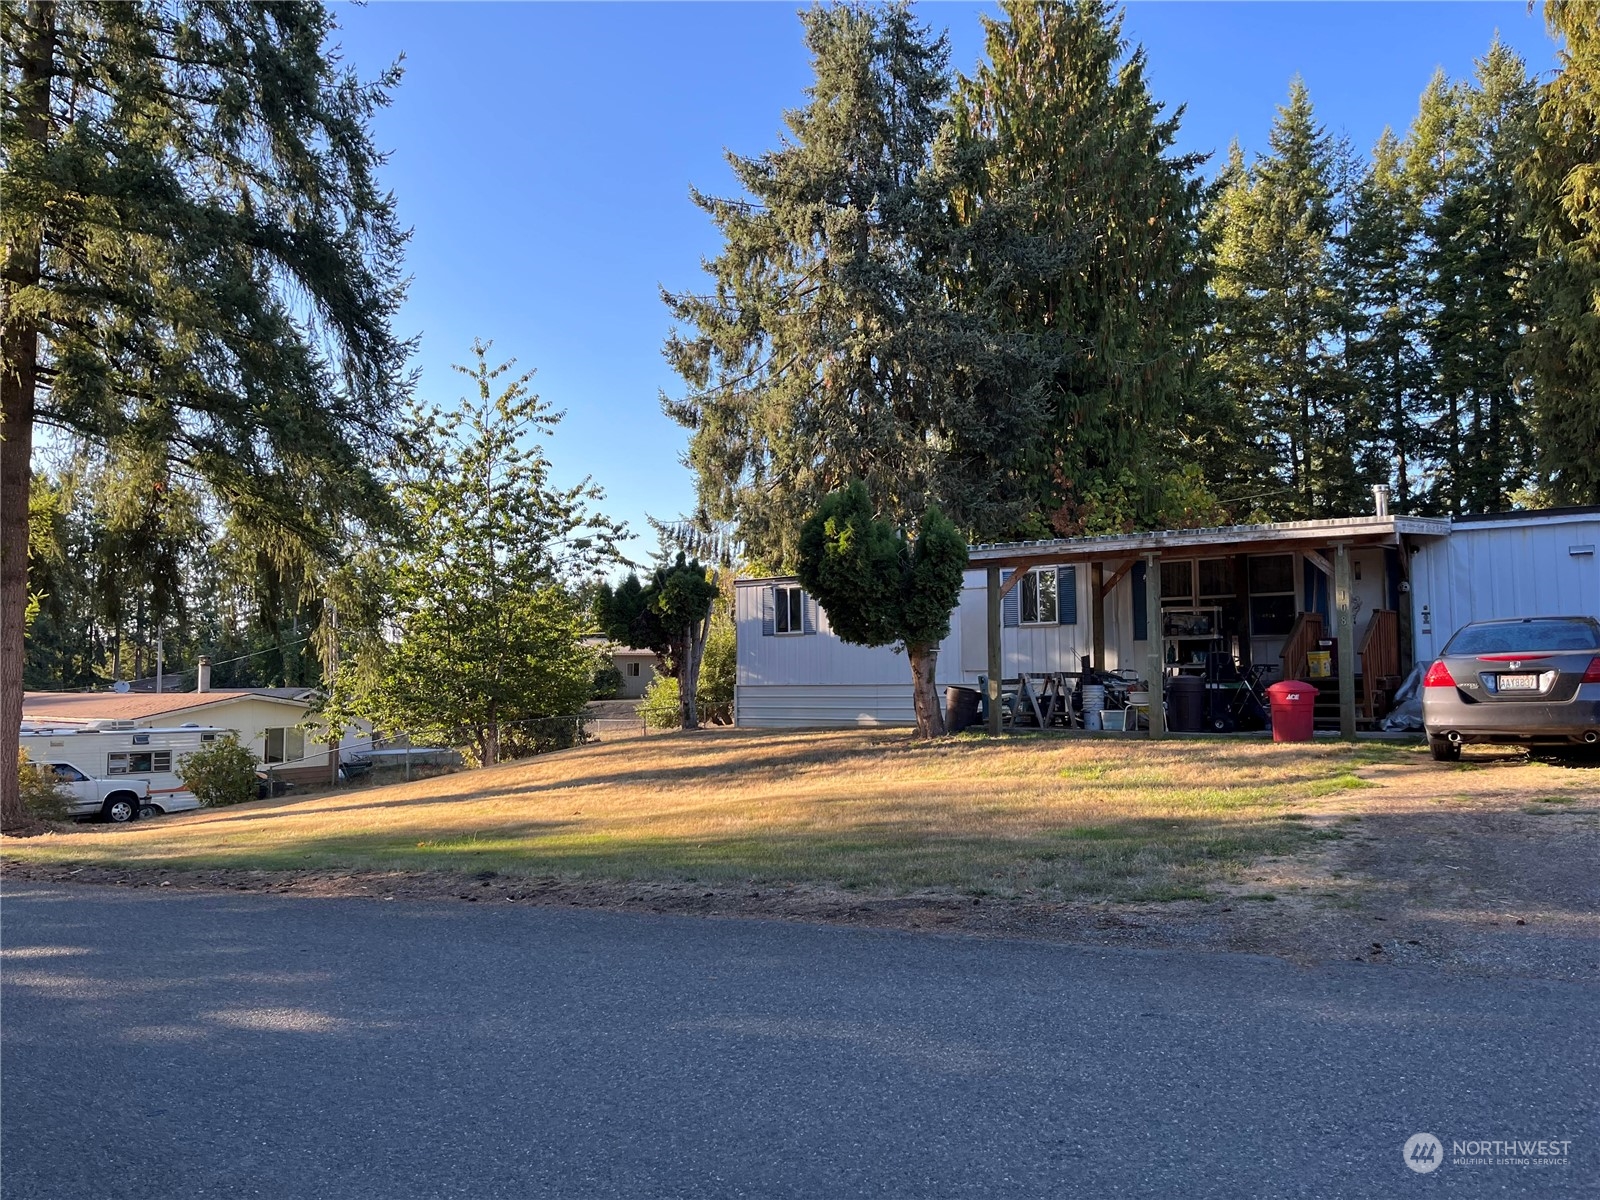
(133, 706)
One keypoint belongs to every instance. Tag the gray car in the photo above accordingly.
(1534, 681)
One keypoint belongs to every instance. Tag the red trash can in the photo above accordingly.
(1294, 706)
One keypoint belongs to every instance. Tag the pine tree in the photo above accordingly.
(1563, 177)
(848, 335)
(1380, 261)
(486, 630)
(198, 261)
(1471, 138)
(1281, 318)
(1078, 151)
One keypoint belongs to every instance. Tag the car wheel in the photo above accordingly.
(148, 812)
(121, 808)
(1444, 750)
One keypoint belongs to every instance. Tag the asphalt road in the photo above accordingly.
(184, 1045)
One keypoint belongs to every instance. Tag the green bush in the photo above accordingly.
(719, 668)
(607, 681)
(43, 795)
(660, 708)
(222, 773)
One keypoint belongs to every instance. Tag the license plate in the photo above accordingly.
(1519, 683)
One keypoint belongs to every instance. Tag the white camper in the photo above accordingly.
(118, 751)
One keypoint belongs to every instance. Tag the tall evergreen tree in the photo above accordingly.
(198, 261)
(1078, 150)
(1383, 278)
(1563, 177)
(1282, 320)
(847, 337)
(1479, 251)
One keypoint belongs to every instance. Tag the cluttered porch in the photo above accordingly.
(1233, 612)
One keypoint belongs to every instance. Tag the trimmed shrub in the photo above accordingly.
(222, 773)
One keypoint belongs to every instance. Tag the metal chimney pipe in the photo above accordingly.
(1380, 499)
(202, 675)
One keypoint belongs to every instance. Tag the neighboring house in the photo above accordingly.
(637, 667)
(267, 720)
(1264, 593)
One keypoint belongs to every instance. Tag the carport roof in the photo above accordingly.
(1188, 543)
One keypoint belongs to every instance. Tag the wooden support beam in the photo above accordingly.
(1016, 578)
(1097, 592)
(1118, 574)
(1345, 623)
(1152, 609)
(1320, 563)
(994, 650)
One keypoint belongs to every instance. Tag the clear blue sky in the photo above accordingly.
(543, 154)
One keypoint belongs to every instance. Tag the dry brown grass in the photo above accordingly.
(862, 809)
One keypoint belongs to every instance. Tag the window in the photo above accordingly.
(633, 669)
(1177, 581)
(789, 609)
(1272, 602)
(285, 744)
(1039, 605)
(67, 773)
(138, 762)
(1216, 579)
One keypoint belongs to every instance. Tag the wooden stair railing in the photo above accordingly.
(1380, 659)
(1303, 635)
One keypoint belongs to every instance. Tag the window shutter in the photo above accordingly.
(1067, 595)
(808, 612)
(769, 625)
(1141, 620)
(1011, 606)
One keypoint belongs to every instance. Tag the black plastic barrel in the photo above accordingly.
(1186, 703)
(960, 707)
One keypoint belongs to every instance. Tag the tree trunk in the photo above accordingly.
(491, 737)
(924, 693)
(19, 373)
(694, 648)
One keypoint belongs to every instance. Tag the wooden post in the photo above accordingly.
(1097, 590)
(994, 650)
(1152, 611)
(1346, 626)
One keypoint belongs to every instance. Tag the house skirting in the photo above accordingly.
(813, 706)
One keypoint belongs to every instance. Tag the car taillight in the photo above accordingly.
(1592, 675)
(1438, 676)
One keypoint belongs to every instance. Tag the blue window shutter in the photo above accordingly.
(1011, 606)
(1141, 620)
(769, 625)
(1067, 595)
(808, 613)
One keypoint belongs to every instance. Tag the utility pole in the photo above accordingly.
(160, 663)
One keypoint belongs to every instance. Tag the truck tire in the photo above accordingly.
(148, 812)
(120, 808)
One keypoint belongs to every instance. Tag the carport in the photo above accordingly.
(1325, 545)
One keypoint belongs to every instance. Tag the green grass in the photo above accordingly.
(871, 810)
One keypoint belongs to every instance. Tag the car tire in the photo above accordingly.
(149, 812)
(120, 808)
(1444, 750)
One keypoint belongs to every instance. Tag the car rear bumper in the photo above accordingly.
(1525, 723)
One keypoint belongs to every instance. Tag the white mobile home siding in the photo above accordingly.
(1543, 565)
(790, 680)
